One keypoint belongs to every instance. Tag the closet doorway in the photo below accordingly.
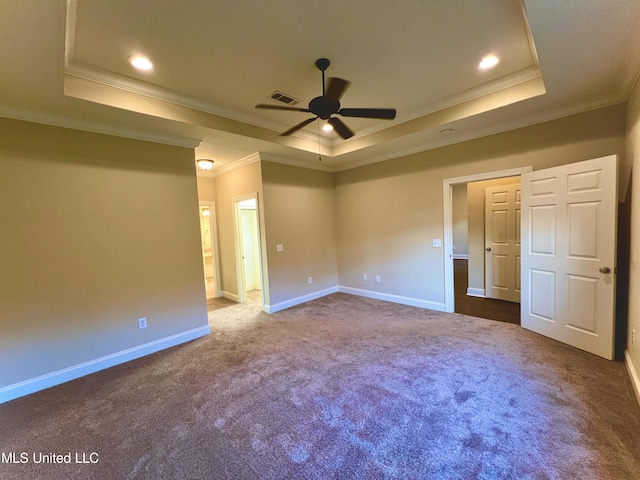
(209, 242)
(248, 250)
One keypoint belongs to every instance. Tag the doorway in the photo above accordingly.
(248, 250)
(209, 242)
(449, 270)
(471, 226)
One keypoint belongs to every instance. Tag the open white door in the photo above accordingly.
(569, 220)
(502, 242)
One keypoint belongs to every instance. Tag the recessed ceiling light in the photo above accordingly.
(488, 62)
(327, 127)
(140, 62)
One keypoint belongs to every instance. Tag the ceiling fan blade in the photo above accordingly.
(336, 88)
(384, 113)
(298, 127)
(337, 124)
(266, 106)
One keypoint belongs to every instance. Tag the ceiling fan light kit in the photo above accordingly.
(328, 104)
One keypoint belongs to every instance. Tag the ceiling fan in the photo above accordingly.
(329, 104)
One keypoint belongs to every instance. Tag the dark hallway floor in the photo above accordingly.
(480, 307)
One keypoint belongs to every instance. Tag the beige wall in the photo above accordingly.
(206, 189)
(241, 181)
(299, 214)
(475, 197)
(388, 213)
(114, 227)
(460, 220)
(633, 156)
(97, 231)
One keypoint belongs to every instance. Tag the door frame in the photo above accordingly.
(239, 249)
(447, 211)
(213, 228)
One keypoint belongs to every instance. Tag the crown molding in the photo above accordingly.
(607, 101)
(74, 123)
(109, 79)
(324, 167)
(243, 162)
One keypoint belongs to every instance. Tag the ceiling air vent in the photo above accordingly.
(284, 98)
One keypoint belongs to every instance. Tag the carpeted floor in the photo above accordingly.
(338, 388)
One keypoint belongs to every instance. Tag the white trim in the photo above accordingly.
(461, 256)
(243, 162)
(213, 227)
(475, 292)
(321, 166)
(239, 244)
(298, 300)
(87, 126)
(527, 27)
(231, 296)
(635, 381)
(447, 213)
(388, 297)
(493, 129)
(52, 379)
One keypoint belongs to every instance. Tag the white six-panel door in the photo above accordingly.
(569, 219)
(502, 242)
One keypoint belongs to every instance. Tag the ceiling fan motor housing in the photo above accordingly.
(324, 107)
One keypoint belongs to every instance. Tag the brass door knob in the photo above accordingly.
(488, 249)
(605, 270)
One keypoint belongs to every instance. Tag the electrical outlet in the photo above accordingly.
(364, 276)
(377, 278)
(310, 280)
(142, 323)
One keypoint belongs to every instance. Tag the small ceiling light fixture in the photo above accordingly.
(488, 62)
(204, 163)
(140, 62)
(327, 127)
(446, 130)
(206, 212)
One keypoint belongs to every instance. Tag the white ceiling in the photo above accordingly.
(65, 63)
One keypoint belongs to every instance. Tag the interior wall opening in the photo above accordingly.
(470, 231)
(248, 250)
(208, 237)
(460, 183)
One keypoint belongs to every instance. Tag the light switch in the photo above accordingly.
(279, 248)
(437, 242)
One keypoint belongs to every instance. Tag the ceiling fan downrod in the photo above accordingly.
(323, 64)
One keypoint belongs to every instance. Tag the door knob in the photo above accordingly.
(488, 249)
(605, 270)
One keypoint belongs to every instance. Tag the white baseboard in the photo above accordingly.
(475, 292)
(635, 380)
(231, 296)
(52, 379)
(414, 302)
(298, 300)
(461, 256)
